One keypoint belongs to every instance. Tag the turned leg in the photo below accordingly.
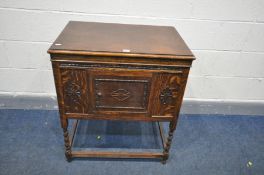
(168, 142)
(67, 145)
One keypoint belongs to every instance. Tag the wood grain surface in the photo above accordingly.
(88, 37)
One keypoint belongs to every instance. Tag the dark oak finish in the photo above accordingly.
(116, 38)
(119, 72)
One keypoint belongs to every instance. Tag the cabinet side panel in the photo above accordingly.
(166, 93)
(75, 92)
(57, 80)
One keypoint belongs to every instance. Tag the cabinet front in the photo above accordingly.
(121, 91)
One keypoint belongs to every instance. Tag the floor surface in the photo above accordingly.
(32, 143)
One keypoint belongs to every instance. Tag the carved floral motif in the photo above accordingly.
(166, 96)
(73, 91)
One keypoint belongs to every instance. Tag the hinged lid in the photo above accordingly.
(108, 39)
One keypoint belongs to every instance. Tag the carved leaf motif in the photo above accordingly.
(120, 94)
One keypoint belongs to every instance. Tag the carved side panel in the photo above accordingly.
(166, 92)
(75, 94)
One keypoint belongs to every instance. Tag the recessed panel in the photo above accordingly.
(121, 93)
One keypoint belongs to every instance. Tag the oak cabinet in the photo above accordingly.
(119, 72)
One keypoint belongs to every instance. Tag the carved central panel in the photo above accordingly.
(120, 94)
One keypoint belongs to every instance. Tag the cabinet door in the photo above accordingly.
(74, 87)
(166, 93)
(120, 91)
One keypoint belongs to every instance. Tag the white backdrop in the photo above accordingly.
(227, 37)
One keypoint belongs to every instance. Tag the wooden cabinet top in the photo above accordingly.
(109, 39)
